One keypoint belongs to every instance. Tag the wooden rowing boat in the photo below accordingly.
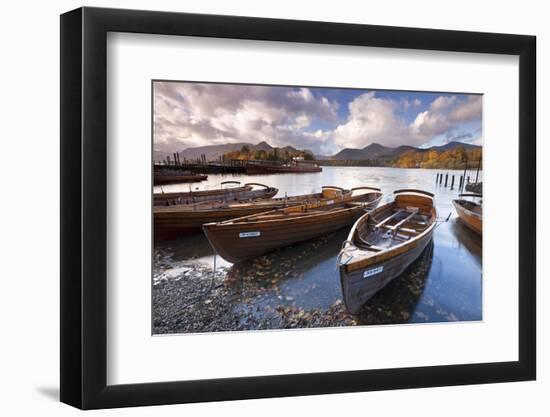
(174, 177)
(247, 237)
(383, 243)
(245, 192)
(172, 221)
(470, 212)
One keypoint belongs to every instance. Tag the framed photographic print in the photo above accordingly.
(257, 207)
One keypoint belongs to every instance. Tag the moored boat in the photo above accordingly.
(383, 243)
(262, 168)
(470, 212)
(172, 221)
(176, 176)
(247, 237)
(244, 192)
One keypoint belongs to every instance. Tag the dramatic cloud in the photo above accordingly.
(198, 114)
(193, 114)
(371, 119)
(374, 119)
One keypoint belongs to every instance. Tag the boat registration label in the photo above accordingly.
(373, 271)
(250, 234)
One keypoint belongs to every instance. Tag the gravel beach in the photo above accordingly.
(254, 295)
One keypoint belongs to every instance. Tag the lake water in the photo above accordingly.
(299, 286)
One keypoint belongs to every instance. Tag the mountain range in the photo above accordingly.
(375, 151)
(213, 152)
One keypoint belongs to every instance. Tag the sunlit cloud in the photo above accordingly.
(198, 114)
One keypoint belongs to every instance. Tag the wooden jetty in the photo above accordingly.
(470, 168)
(247, 237)
(470, 212)
(204, 167)
(383, 243)
(257, 168)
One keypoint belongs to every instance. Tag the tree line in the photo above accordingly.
(456, 158)
(274, 155)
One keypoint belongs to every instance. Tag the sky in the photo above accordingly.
(323, 120)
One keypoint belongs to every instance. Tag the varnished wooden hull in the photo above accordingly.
(259, 169)
(356, 290)
(171, 224)
(173, 221)
(469, 218)
(222, 195)
(361, 277)
(240, 241)
(188, 197)
(175, 179)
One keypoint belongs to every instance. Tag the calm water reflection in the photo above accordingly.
(445, 284)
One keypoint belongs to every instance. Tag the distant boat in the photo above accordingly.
(470, 212)
(250, 236)
(258, 168)
(172, 221)
(383, 243)
(168, 176)
(217, 194)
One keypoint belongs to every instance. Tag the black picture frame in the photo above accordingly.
(84, 207)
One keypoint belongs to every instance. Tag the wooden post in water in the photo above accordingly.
(436, 178)
(468, 180)
(446, 178)
(460, 183)
(453, 182)
(440, 178)
(478, 166)
(168, 159)
(465, 166)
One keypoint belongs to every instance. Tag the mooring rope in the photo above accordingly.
(440, 222)
(339, 256)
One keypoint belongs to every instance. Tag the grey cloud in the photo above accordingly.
(198, 114)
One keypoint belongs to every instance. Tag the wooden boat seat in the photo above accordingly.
(408, 230)
(402, 238)
(403, 221)
(387, 219)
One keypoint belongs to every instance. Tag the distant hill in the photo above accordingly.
(373, 154)
(372, 151)
(213, 152)
(451, 146)
(381, 153)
